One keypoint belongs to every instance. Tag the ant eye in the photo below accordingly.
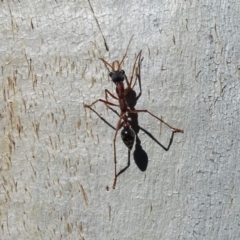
(110, 74)
(123, 72)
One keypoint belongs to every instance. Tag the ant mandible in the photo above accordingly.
(118, 76)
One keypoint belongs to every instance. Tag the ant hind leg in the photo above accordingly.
(146, 111)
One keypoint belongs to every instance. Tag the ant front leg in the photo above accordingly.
(120, 63)
(106, 64)
(106, 102)
(129, 84)
(109, 93)
(146, 111)
(99, 100)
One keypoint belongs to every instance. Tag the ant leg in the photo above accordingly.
(128, 164)
(119, 125)
(120, 63)
(109, 93)
(174, 129)
(117, 62)
(137, 58)
(130, 86)
(111, 66)
(100, 100)
(107, 64)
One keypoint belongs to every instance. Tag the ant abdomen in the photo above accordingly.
(128, 136)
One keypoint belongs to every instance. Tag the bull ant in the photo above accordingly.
(118, 76)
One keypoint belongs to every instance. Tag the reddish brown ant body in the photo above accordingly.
(118, 76)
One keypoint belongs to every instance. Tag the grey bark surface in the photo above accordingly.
(57, 157)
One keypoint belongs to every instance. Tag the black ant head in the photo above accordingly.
(128, 136)
(117, 76)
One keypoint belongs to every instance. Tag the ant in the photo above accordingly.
(118, 76)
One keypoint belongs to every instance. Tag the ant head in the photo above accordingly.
(117, 76)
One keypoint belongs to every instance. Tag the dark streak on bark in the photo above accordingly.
(105, 43)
